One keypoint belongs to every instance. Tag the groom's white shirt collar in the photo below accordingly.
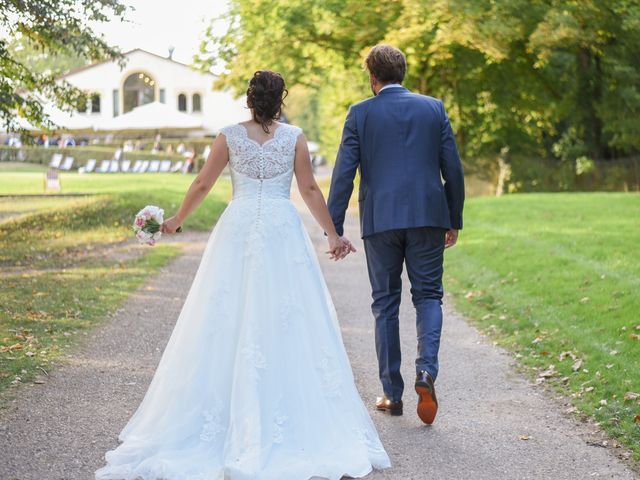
(390, 85)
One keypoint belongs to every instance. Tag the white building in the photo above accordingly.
(146, 78)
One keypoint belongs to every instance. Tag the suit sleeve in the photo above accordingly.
(452, 172)
(344, 172)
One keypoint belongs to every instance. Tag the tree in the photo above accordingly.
(539, 78)
(56, 29)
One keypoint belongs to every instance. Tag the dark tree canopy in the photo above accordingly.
(41, 32)
(538, 77)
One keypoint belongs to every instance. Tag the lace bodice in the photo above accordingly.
(261, 161)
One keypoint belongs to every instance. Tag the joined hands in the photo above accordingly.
(339, 247)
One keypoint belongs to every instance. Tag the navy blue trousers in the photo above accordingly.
(422, 250)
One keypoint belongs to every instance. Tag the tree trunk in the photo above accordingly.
(589, 96)
(504, 171)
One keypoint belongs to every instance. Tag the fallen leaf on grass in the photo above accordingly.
(564, 355)
(634, 336)
(603, 402)
(584, 299)
(7, 348)
(631, 396)
(548, 373)
(576, 365)
(636, 419)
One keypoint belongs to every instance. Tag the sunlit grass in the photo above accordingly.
(555, 278)
(60, 270)
(44, 313)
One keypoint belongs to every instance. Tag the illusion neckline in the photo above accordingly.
(260, 145)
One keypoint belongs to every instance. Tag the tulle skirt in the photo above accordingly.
(254, 382)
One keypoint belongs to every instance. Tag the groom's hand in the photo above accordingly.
(450, 238)
(348, 247)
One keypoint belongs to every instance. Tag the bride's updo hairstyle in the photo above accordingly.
(265, 97)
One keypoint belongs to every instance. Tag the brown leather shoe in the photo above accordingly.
(383, 404)
(427, 401)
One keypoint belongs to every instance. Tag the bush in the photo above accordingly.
(199, 143)
(583, 174)
(42, 155)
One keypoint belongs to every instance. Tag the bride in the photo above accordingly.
(254, 382)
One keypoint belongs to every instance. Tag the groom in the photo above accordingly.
(403, 145)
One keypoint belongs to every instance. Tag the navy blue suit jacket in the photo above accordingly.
(404, 147)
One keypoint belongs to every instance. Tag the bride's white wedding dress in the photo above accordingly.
(254, 382)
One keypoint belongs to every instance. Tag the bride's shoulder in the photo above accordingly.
(294, 130)
(231, 129)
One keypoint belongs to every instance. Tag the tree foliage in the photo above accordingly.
(535, 77)
(37, 32)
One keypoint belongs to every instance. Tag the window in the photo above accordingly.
(163, 98)
(182, 102)
(95, 103)
(195, 102)
(138, 89)
(116, 103)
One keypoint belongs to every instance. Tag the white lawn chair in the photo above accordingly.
(114, 167)
(154, 166)
(56, 159)
(144, 166)
(124, 166)
(165, 166)
(104, 166)
(177, 166)
(88, 167)
(136, 166)
(68, 163)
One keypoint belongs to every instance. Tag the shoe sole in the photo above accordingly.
(427, 407)
(388, 411)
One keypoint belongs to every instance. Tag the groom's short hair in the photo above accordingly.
(386, 63)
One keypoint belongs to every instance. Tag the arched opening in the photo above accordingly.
(195, 102)
(138, 89)
(182, 102)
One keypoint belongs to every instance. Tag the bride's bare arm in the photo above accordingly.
(313, 198)
(200, 187)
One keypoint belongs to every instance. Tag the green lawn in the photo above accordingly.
(556, 279)
(60, 267)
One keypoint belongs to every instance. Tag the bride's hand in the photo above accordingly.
(170, 225)
(336, 247)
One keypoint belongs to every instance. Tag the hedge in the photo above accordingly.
(42, 155)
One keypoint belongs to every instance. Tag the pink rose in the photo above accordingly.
(140, 222)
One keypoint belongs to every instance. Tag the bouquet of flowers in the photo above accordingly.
(147, 224)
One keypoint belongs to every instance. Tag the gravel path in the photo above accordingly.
(60, 430)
